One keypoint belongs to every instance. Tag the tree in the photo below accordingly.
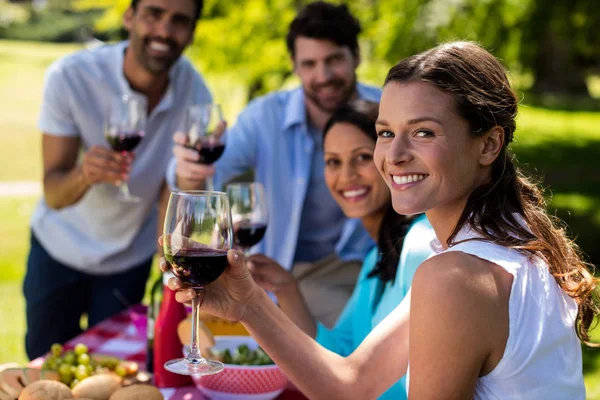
(563, 45)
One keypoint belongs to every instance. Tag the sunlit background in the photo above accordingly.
(552, 49)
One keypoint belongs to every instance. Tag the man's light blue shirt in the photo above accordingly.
(271, 136)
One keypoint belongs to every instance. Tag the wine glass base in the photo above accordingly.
(194, 366)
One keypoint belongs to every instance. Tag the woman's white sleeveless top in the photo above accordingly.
(542, 359)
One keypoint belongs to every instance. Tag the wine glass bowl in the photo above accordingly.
(197, 235)
(249, 213)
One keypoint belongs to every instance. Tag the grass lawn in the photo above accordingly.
(561, 147)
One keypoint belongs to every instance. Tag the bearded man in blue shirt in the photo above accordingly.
(279, 136)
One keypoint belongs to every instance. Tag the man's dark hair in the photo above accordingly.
(199, 5)
(325, 21)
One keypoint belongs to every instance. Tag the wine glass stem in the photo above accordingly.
(194, 353)
(210, 185)
(125, 190)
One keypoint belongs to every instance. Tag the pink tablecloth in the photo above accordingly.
(118, 337)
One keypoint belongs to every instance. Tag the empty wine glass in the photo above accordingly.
(202, 128)
(248, 213)
(197, 236)
(124, 129)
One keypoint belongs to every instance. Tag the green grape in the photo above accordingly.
(65, 374)
(81, 372)
(90, 369)
(70, 358)
(80, 349)
(83, 359)
(73, 383)
(51, 362)
(56, 350)
(113, 362)
(120, 370)
(65, 369)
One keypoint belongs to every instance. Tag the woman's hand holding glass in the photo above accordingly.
(228, 297)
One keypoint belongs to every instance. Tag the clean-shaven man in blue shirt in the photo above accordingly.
(279, 135)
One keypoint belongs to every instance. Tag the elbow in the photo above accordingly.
(355, 387)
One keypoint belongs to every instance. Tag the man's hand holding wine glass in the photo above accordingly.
(104, 165)
(199, 146)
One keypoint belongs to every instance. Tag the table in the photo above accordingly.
(118, 336)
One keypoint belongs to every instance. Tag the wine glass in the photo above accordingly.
(124, 129)
(248, 213)
(197, 236)
(201, 126)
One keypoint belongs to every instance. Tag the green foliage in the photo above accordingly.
(57, 23)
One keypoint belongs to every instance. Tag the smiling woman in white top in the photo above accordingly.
(499, 312)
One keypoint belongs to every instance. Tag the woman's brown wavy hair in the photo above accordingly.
(483, 96)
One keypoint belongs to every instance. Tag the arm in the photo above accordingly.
(272, 277)
(378, 363)
(64, 181)
(455, 320)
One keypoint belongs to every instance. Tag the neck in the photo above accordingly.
(372, 223)
(444, 220)
(319, 117)
(141, 80)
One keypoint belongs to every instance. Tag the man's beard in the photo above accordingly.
(156, 65)
(346, 95)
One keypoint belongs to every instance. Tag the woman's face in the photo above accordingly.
(425, 151)
(350, 173)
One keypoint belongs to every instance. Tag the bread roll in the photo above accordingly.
(97, 387)
(137, 392)
(46, 390)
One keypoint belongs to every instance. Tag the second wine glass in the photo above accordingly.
(202, 126)
(248, 213)
(124, 129)
(197, 235)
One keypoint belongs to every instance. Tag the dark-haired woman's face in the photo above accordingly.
(350, 172)
(425, 151)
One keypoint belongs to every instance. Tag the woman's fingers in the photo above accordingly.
(237, 265)
(185, 295)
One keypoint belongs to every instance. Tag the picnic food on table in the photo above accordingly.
(137, 392)
(46, 390)
(14, 380)
(97, 387)
(75, 365)
(242, 355)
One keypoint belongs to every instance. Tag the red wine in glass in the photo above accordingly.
(125, 141)
(248, 234)
(123, 127)
(209, 150)
(198, 267)
(197, 235)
